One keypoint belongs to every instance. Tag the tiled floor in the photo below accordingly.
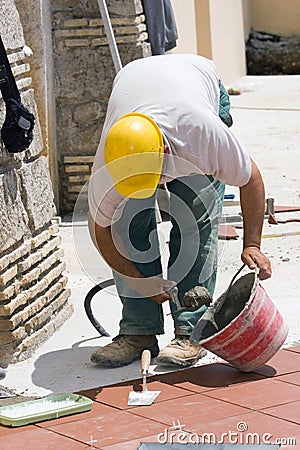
(211, 404)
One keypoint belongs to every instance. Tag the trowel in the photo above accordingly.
(144, 397)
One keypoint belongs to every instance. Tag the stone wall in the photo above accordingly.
(84, 73)
(33, 293)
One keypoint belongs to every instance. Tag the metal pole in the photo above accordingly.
(110, 35)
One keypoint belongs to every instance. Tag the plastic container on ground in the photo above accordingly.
(46, 408)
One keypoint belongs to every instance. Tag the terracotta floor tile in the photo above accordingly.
(211, 376)
(117, 395)
(254, 427)
(109, 429)
(293, 378)
(283, 362)
(294, 349)
(189, 410)
(258, 395)
(227, 232)
(92, 393)
(278, 208)
(98, 409)
(10, 430)
(290, 411)
(38, 439)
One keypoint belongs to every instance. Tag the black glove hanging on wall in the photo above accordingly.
(17, 129)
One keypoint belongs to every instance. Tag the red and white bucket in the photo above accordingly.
(252, 332)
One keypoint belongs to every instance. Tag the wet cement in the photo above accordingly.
(196, 297)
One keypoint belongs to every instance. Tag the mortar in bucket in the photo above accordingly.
(242, 326)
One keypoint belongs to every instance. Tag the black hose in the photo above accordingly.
(88, 308)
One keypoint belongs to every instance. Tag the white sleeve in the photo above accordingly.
(105, 203)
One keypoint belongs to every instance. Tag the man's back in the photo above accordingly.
(165, 83)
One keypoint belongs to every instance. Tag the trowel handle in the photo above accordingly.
(145, 361)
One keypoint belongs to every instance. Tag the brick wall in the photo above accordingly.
(77, 171)
(90, 32)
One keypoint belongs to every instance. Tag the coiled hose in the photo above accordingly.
(88, 308)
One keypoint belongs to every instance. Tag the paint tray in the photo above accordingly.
(50, 407)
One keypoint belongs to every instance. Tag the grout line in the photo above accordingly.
(189, 390)
(60, 434)
(149, 418)
(290, 382)
(264, 411)
(232, 403)
(250, 409)
(117, 408)
(223, 418)
(290, 349)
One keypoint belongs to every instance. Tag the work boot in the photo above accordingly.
(124, 349)
(181, 352)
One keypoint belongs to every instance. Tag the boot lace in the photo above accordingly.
(180, 341)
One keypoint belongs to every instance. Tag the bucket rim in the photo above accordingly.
(253, 292)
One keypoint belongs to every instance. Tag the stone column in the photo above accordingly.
(35, 16)
(33, 293)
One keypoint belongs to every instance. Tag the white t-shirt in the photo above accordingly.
(181, 94)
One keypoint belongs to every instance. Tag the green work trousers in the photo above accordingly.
(195, 209)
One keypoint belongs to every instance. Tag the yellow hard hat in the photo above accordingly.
(133, 153)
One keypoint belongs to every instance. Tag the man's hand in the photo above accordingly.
(155, 288)
(252, 256)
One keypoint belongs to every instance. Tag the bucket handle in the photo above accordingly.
(238, 272)
(235, 276)
(230, 285)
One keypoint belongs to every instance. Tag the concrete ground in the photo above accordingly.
(266, 119)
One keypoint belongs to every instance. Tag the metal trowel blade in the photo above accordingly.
(143, 398)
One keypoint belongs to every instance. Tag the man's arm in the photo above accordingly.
(152, 287)
(252, 197)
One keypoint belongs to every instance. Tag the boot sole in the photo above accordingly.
(173, 361)
(104, 362)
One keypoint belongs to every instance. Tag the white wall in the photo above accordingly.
(276, 16)
(184, 11)
(227, 37)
